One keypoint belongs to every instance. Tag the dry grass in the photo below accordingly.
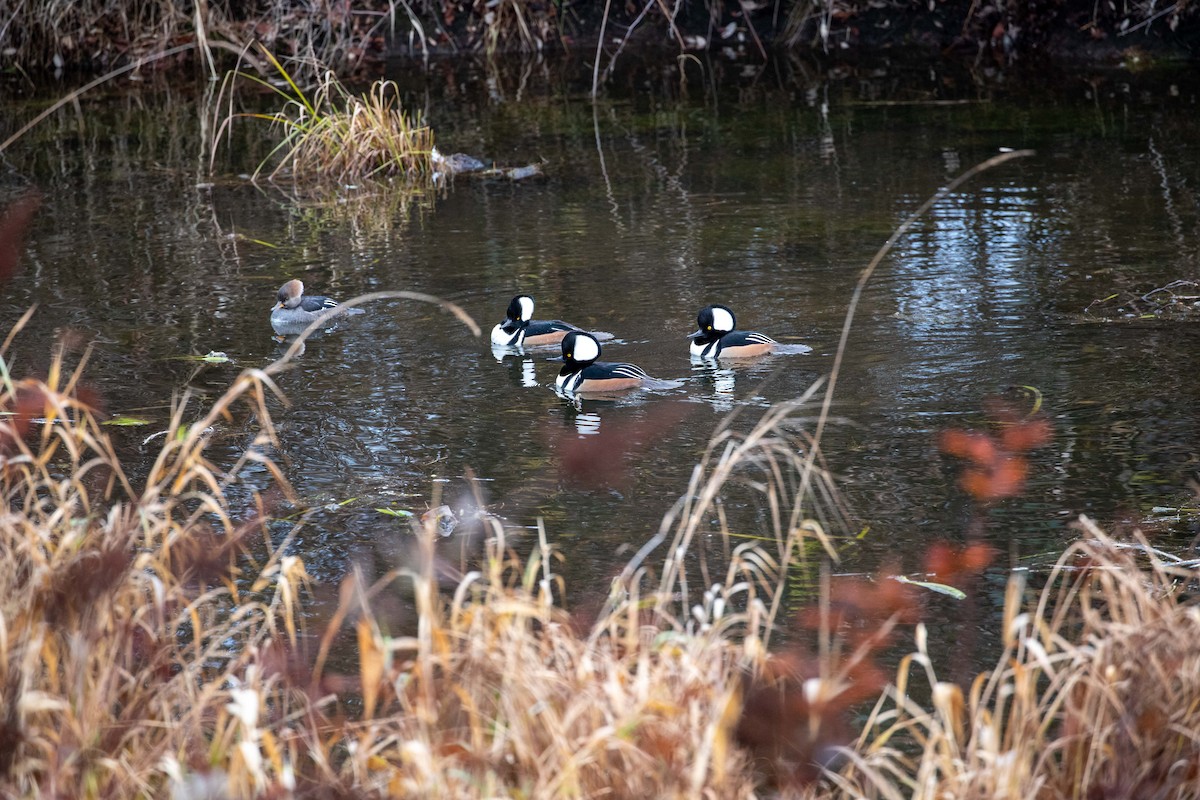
(127, 621)
(344, 36)
(334, 136)
(349, 36)
(83, 33)
(1097, 693)
(503, 694)
(144, 648)
(149, 642)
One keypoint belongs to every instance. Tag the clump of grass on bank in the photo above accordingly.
(1097, 693)
(128, 624)
(333, 135)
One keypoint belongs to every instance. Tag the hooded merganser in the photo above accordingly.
(717, 337)
(583, 373)
(295, 310)
(520, 329)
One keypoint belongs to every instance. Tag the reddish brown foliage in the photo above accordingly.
(996, 466)
(601, 460)
(29, 403)
(208, 557)
(796, 714)
(14, 222)
(87, 581)
(863, 611)
(953, 566)
(12, 735)
(791, 738)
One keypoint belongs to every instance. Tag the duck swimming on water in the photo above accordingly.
(520, 329)
(583, 373)
(718, 337)
(294, 310)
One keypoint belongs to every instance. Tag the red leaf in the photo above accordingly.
(14, 223)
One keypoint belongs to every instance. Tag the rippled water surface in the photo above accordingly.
(767, 191)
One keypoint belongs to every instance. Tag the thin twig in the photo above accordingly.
(612, 62)
(599, 50)
(812, 454)
(342, 308)
(70, 98)
(1146, 22)
(863, 279)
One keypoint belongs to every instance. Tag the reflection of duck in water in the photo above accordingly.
(295, 310)
(587, 423)
(724, 383)
(523, 374)
(582, 373)
(717, 337)
(520, 329)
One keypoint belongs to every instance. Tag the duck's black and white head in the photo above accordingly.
(580, 349)
(714, 321)
(520, 309)
(511, 332)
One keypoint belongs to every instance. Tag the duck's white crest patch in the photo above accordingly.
(722, 320)
(526, 303)
(586, 348)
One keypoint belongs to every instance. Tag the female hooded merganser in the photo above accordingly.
(295, 310)
(583, 373)
(520, 329)
(718, 339)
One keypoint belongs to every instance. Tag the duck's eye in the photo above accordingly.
(708, 327)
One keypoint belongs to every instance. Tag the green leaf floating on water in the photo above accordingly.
(126, 422)
(940, 588)
(395, 512)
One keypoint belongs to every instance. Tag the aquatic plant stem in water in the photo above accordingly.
(105, 78)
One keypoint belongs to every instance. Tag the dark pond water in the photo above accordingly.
(767, 190)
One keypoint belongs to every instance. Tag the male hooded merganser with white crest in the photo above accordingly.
(717, 337)
(582, 373)
(295, 310)
(519, 329)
